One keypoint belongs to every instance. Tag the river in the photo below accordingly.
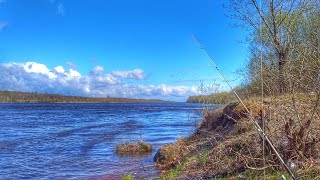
(77, 140)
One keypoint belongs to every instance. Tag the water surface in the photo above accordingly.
(76, 141)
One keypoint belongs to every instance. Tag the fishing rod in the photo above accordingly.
(258, 127)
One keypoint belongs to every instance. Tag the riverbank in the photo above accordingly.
(226, 145)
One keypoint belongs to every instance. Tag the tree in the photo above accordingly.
(275, 23)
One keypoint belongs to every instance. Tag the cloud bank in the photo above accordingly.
(36, 77)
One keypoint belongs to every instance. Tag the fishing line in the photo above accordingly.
(259, 129)
(262, 96)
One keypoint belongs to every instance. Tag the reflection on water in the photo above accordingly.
(54, 141)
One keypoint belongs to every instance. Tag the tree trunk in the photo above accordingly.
(281, 80)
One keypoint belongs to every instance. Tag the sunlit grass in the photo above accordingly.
(127, 177)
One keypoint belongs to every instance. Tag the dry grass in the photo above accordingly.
(138, 148)
(227, 144)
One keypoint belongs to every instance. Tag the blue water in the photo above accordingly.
(76, 141)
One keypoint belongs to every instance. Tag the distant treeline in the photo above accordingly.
(13, 96)
(214, 98)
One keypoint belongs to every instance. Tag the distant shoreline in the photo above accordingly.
(30, 97)
(16, 102)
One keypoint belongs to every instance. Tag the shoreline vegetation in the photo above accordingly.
(226, 144)
(28, 97)
(280, 89)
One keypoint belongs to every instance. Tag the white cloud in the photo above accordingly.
(74, 73)
(33, 67)
(133, 74)
(97, 70)
(59, 69)
(36, 77)
(3, 25)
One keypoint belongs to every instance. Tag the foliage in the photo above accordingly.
(285, 34)
(284, 49)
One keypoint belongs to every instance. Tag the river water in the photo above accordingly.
(77, 140)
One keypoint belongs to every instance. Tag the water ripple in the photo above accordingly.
(76, 141)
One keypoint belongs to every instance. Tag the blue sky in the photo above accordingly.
(142, 47)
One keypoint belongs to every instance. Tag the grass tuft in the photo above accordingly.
(203, 157)
(138, 148)
(127, 177)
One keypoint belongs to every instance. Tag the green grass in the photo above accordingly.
(138, 148)
(172, 174)
(144, 147)
(127, 177)
(203, 157)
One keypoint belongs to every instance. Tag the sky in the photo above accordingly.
(118, 48)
